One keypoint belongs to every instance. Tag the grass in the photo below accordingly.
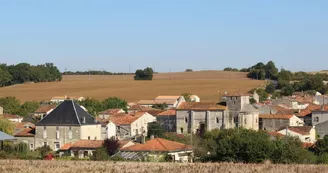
(205, 84)
(41, 166)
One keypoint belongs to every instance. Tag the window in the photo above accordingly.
(31, 146)
(217, 120)
(88, 137)
(45, 144)
(234, 102)
(256, 120)
(44, 132)
(316, 119)
(137, 132)
(57, 146)
(85, 153)
(245, 121)
(95, 137)
(307, 138)
(186, 119)
(70, 134)
(181, 130)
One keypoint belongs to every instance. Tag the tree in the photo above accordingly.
(29, 107)
(146, 74)
(188, 70)
(92, 105)
(6, 126)
(230, 69)
(155, 129)
(111, 146)
(44, 150)
(100, 154)
(287, 91)
(187, 96)
(5, 77)
(113, 103)
(10, 105)
(270, 88)
(271, 71)
(162, 106)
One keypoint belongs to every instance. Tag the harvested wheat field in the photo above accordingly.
(39, 166)
(205, 84)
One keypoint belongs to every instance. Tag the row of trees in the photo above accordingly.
(145, 74)
(11, 105)
(95, 106)
(24, 72)
(94, 72)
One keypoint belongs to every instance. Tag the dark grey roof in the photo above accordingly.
(67, 113)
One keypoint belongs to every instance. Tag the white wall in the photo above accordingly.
(111, 130)
(295, 121)
(304, 138)
(142, 124)
(94, 131)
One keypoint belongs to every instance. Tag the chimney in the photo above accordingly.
(143, 139)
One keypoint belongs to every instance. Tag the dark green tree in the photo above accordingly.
(5, 78)
(270, 88)
(146, 74)
(287, 90)
(10, 105)
(155, 129)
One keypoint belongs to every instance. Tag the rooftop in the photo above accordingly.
(158, 145)
(303, 130)
(111, 111)
(139, 108)
(125, 119)
(169, 112)
(275, 116)
(167, 97)
(11, 116)
(237, 94)
(45, 108)
(27, 132)
(201, 106)
(154, 102)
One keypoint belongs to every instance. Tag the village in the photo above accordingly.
(69, 130)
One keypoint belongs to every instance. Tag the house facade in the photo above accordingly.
(170, 101)
(68, 122)
(198, 117)
(306, 134)
(167, 120)
(274, 122)
(241, 112)
(105, 114)
(25, 132)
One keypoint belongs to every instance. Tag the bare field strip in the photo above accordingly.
(43, 166)
(205, 84)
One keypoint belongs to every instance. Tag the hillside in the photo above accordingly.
(206, 84)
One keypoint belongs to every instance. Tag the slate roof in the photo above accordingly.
(201, 106)
(4, 136)
(67, 113)
(158, 145)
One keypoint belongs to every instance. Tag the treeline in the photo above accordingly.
(145, 74)
(11, 105)
(95, 106)
(94, 72)
(24, 72)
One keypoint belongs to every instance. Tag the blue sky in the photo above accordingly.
(168, 35)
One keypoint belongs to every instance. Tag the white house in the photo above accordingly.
(306, 134)
(194, 98)
(110, 130)
(12, 118)
(170, 101)
(60, 99)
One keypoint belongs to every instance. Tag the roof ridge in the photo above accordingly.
(76, 112)
(158, 139)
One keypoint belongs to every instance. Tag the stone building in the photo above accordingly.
(241, 112)
(68, 122)
(198, 117)
(274, 122)
(167, 119)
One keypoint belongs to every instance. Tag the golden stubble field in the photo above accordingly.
(205, 84)
(43, 166)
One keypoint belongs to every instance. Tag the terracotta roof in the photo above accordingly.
(276, 134)
(283, 111)
(125, 119)
(303, 130)
(87, 144)
(154, 112)
(66, 146)
(45, 108)
(168, 112)
(122, 143)
(167, 98)
(275, 116)
(238, 94)
(307, 144)
(201, 106)
(11, 116)
(153, 102)
(140, 108)
(21, 125)
(27, 132)
(310, 108)
(111, 111)
(159, 145)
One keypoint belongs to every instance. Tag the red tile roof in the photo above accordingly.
(154, 102)
(140, 108)
(92, 144)
(154, 112)
(125, 119)
(275, 116)
(201, 106)
(307, 144)
(310, 108)
(276, 134)
(10, 116)
(169, 112)
(27, 132)
(111, 111)
(158, 145)
(66, 147)
(21, 125)
(303, 130)
(45, 108)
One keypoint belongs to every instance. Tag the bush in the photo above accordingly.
(146, 74)
(44, 151)
(100, 154)
(270, 88)
(188, 70)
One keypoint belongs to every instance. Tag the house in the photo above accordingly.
(1, 110)
(44, 110)
(60, 99)
(156, 149)
(289, 103)
(167, 119)
(68, 122)
(320, 99)
(129, 125)
(241, 112)
(320, 115)
(307, 134)
(274, 122)
(27, 135)
(194, 98)
(105, 114)
(306, 114)
(137, 108)
(12, 118)
(170, 101)
(198, 117)
(86, 148)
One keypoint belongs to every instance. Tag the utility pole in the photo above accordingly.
(89, 75)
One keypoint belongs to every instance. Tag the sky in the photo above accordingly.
(168, 35)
